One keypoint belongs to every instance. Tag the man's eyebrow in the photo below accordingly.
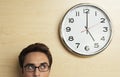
(44, 63)
(29, 64)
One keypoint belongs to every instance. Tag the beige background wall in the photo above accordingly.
(23, 22)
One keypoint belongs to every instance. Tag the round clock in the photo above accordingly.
(85, 29)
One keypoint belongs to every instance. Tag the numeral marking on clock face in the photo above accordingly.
(68, 29)
(103, 38)
(87, 48)
(71, 20)
(86, 10)
(102, 20)
(77, 13)
(95, 13)
(96, 45)
(77, 44)
(71, 38)
(105, 29)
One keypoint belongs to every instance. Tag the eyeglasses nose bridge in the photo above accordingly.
(35, 68)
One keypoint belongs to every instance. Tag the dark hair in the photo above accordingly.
(37, 47)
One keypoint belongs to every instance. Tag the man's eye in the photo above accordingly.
(30, 67)
(43, 66)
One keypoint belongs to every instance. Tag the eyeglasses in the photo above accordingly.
(42, 68)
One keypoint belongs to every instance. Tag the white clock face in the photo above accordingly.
(85, 29)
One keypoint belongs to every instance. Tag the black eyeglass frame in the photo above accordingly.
(39, 67)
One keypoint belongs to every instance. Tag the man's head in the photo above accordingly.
(35, 60)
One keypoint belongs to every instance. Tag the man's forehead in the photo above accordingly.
(36, 58)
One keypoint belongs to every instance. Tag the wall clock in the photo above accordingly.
(85, 29)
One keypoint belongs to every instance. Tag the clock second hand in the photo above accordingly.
(90, 27)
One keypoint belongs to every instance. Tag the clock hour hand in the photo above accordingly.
(90, 35)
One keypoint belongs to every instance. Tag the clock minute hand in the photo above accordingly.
(86, 23)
